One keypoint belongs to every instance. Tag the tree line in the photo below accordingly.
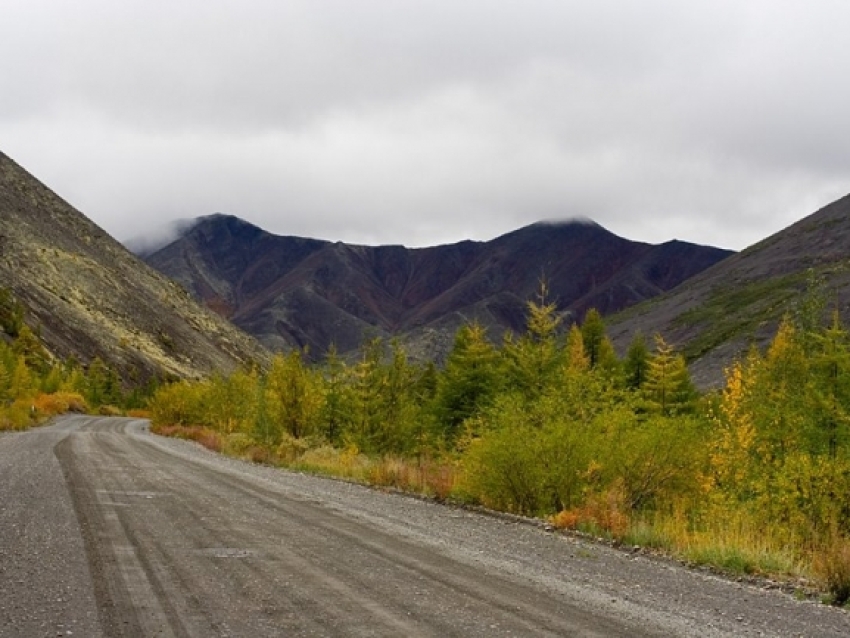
(754, 477)
(552, 422)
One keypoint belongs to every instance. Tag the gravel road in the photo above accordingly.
(106, 530)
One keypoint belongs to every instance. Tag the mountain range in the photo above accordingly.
(308, 293)
(90, 297)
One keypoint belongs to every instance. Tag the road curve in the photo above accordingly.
(107, 530)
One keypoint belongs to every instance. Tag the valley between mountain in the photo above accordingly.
(707, 417)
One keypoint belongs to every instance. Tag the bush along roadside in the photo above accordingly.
(752, 480)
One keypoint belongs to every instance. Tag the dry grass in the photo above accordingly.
(832, 565)
(432, 478)
(429, 477)
(260, 454)
(602, 514)
(733, 543)
(206, 437)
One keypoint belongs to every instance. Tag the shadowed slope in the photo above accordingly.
(291, 291)
(716, 315)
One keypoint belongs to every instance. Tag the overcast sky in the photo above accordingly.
(425, 122)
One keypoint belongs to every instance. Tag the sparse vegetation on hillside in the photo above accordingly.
(741, 300)
(753, 479)
(738, 312)
(11, 314)
(88, 297)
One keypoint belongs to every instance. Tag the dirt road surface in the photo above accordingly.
(107, 530)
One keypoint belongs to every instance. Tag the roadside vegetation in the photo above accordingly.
(34, 387)
(753, 479)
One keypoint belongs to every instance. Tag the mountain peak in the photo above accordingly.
(578, 220)
(226, 219)
(295, 292)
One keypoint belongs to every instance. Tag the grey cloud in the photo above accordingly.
(423, 122)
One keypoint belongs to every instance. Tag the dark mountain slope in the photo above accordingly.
(739, 301)
(91, 297)
(290, 291)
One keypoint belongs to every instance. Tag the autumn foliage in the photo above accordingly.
(553, 423)
(35, 386)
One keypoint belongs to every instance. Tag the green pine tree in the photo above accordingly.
(469, 381)
(829, 389)
(636, 365)
(593, 334)
(532, 361)
(668, 389)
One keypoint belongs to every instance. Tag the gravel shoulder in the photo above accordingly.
(140, 535)
(45, 582)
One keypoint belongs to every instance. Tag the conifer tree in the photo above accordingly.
(399, 407)
(113, 392)
(608, 364)
(336, 413)
(810, 310)
(231, 402)
(829, 389)
(593, 334)
(8, 362)
(22, 382)
(576, 356)
(29, 346)
(52, 381)
(469, 381)
(636, 365)
(96, 382)
(779, 404)
(730, 461)
(73, 378)
(367, 385)
(425, 387)
(11, 313)
(543, 319)
(385, 411)
(668, 388)
(297, 394)
(532, 361)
